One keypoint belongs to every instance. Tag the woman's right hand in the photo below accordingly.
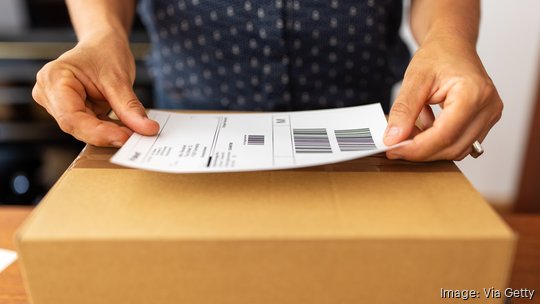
(80, 87)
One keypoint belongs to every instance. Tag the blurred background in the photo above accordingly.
(34, 152)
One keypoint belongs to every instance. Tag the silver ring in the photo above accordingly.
(477, 149)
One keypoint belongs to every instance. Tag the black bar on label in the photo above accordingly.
(209, 161)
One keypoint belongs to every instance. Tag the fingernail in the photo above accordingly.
(392, 132)
(148, 120)
(117, 144)
(391, 136)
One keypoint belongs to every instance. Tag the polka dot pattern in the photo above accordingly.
(273, 55)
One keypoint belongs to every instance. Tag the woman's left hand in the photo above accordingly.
(449, 74)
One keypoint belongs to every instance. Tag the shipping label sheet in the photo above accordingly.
(198, 143)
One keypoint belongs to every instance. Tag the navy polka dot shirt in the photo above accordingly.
(274, 55)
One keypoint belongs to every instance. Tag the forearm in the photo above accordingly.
(453, 20)
(98, 17)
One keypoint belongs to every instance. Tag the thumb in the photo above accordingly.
(412, 97)
(129, 109)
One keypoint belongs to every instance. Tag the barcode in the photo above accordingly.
(311, 141)
(355, 140)
(255, 140)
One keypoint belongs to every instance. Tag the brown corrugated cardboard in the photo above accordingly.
(365, 231)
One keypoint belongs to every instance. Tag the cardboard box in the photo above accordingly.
(366, 231)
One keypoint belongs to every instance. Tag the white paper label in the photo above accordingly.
(198, 143)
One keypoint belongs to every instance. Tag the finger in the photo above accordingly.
(412, 97)
(127, 106)
(416, 130)
(464, 142)
(64, 101)
(478, 129)
(464, 154)
(480, 138)
(106, 117)
(97, 107)
(457, 114)
(426, 118)
(465, 145)
(462, 105)
(91, 130)
(40, 97)
(433, 144)
(117, 122)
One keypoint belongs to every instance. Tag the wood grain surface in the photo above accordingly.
(11, 285)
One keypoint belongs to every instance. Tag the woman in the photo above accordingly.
(278, 55)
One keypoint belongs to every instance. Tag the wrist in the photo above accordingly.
(450, 41)
(104, 34)
(452, 36)
(104, 26)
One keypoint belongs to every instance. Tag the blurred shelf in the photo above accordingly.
(18, 71)
(19, 50)
(14, 95)
(18, 132)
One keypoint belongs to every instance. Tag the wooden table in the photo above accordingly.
(11, 286)
(526, 272)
